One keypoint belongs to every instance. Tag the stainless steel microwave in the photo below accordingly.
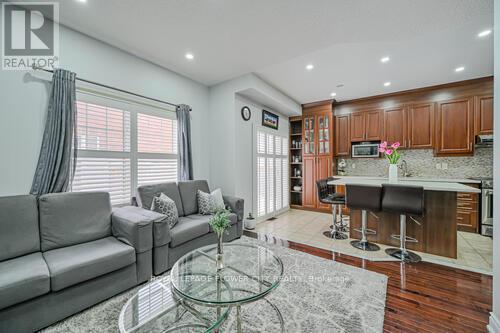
(365, 149)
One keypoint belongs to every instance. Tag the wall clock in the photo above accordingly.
(246, 113)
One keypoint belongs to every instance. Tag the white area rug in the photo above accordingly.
(316, 295)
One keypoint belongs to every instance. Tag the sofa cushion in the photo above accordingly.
(187, 229)
(188, 190)
(146, 194)
(78, 263)
(233, 219)
(23, 278)
(19, 233)
(73, 218)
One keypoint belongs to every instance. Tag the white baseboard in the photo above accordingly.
(494, 325)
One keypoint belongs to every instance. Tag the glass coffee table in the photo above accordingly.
(250, 273)
(155, 309)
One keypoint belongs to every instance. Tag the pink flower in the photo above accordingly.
(383, 145)
(381, 150)
(388, 151)
(396, 145)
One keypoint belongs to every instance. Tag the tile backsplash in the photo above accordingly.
(422, 163)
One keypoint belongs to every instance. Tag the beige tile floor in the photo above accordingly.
(475, 252)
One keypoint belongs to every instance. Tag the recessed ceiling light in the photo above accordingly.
(385, 59)
(459, 69)
(333, 94)
(484, 33)
(310, 67)
(386, 84)
(81, 0)
(189, 56)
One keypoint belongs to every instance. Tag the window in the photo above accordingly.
(156, 149)
(271, 173)
(121, 146)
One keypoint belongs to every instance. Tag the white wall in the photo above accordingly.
(494, 326)
(229, 138)
(245, 141)
(24, 103)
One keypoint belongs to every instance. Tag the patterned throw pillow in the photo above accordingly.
(164, 205)
(209, 203)
(206, 204)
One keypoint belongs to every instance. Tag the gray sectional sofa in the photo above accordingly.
(192, 231)
(65, 252)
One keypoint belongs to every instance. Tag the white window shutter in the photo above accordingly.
(272, 173)
(111, 159)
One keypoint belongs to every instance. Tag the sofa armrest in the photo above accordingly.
(237, 205)
(134, 226)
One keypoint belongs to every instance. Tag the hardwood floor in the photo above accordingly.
(421, 297)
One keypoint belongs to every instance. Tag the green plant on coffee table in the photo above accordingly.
(220, 222)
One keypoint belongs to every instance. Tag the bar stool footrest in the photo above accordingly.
(408, 238)
(367, 231)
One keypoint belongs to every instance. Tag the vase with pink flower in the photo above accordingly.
(391, 152)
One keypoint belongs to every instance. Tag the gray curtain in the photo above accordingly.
(184, 142)
(56, 163)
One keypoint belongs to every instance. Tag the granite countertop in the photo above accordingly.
(423, 179)
(445, 186)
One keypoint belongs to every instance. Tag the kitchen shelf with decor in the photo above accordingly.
(295, 162)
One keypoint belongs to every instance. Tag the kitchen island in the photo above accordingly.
(437, 233)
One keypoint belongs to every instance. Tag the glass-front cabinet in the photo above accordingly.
(324, 141)
(309, 135)
(317, 134)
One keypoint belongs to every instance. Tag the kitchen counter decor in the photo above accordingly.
(391, 152)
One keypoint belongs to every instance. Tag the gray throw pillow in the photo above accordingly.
(164, 205)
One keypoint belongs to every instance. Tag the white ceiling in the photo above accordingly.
(426, 40)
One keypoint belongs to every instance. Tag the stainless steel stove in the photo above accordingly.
(486, 204)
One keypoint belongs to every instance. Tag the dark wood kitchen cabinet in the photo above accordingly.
(467, 211)
(421, 126)
(309, 182)
(395, 126)
(483, 115)
(357, 127)
(455, 127)
(374, 125)
(366, 126)
(323, 171)
(317, 152)
(342, 141)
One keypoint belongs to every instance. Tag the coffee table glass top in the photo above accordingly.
(250, 272)
(154, 308)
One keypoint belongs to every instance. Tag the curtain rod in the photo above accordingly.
(34, 67)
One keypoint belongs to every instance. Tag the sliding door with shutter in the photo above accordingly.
(271, 173)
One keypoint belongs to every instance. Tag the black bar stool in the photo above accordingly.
(326, 196)
(406, 201)
(365, 198)
(341, 226)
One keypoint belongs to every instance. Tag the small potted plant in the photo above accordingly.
(250, 222)
(391, 152)
(220, 222)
